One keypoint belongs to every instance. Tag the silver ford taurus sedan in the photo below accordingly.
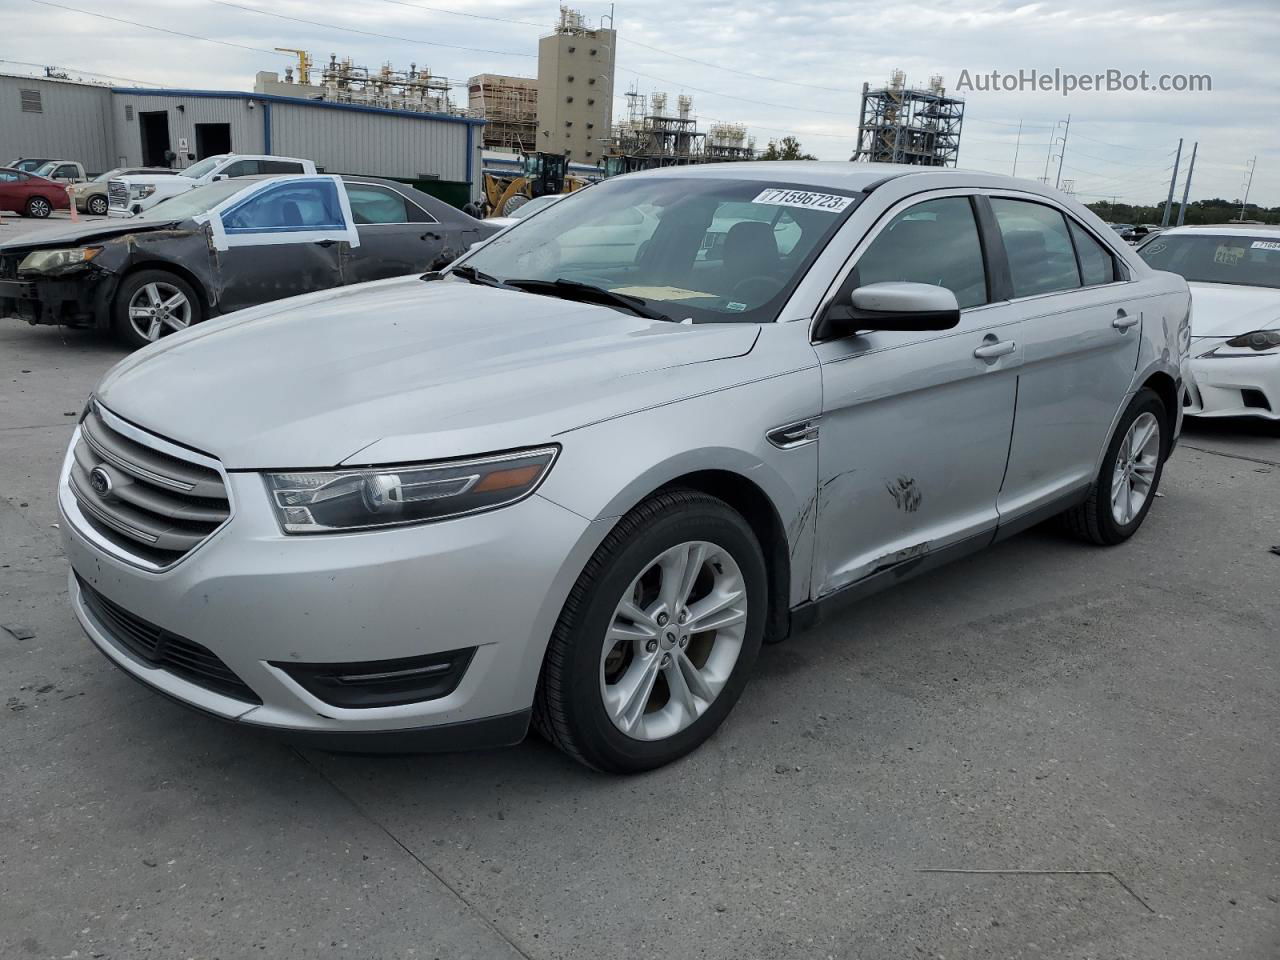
(576, 479)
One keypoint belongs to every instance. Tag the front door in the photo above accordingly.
(1081, 337)
(915, 427)
(279, 239)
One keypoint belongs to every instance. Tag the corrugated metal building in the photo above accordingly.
(120, 126)
(56, 118)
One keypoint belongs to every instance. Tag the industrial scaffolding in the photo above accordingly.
(509, 106)
(652, 134)
(899, 124)
(342, 81)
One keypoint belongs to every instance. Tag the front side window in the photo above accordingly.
(934, 242)
(66, 171)
(648, 237)
(291, 206)
(1252, 261)
(243, 168)
(1038, 245)
(1097, 265)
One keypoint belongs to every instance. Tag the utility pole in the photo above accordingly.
(1168, 204)
(1251, 166)
(1016, 147)
(1065, 130)
(1186, 186)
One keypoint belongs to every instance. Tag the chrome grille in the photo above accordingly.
(118, 193)
(145, 502)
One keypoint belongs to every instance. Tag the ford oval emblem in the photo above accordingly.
(100, 480)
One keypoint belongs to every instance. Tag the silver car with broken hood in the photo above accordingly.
(574, 481)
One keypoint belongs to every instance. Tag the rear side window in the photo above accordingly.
(287, 207)
(934, 242)
(280, 166)
(1041, 256)
(371, 204)
(1097, 265)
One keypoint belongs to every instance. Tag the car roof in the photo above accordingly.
(845, 175)
(1226, 229)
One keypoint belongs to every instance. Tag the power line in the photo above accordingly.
(92, 73)
(367, 33)
(147, 26)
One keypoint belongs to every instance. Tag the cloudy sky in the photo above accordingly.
(794, 67)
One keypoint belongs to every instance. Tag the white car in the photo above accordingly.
(1234, 274)
(129, 196)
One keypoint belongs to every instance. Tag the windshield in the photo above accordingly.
(45, 168)
(193, 202)
(1245, 260)
(709, 250)
(534, 205)
(198, 170)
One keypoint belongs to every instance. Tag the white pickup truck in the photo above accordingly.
(128, 196)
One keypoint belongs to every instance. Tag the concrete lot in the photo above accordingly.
(1098, 726)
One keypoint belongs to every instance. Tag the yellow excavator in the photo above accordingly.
(542, 174)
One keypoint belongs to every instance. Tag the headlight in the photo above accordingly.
(46, 261)
(141, 191)
(358, 499)
(1258, 340)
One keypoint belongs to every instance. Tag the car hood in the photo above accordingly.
(403, 369)
(76, 235)
(1228, 310)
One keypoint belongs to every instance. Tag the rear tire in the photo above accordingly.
(694, 676)
(1127, 482)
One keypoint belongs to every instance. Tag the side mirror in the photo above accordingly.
(219, 176)
(890, 306)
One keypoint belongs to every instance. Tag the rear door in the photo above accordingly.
(915, 426)
(280, 238)
(1081, 333)
(397, 237)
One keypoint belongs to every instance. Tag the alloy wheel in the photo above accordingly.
(673, 641)
(1135, 468)
(98, 205)
(39, 208)
(159, 308)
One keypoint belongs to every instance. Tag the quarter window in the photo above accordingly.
(934, 242)
(1041, 256)
(287, 207)
(1097, 266)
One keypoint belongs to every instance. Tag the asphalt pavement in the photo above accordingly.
(1048, 750)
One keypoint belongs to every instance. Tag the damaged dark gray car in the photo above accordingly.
(226, 246)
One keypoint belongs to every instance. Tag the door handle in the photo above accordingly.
(1123, 321)
(325, 243)
(430, 236)
(992, 350)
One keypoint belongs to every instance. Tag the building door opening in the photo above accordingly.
(154, 126)
(212, 139)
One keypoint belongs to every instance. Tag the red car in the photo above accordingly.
(29, 195)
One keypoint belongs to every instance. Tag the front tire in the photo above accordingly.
(39, 207)
(1130, 475)
(151, 304)
(657, 638)
(97, 205)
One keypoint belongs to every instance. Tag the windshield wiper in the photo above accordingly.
(472, 275)
(589, 293)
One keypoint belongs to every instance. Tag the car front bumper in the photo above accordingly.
(76, 300)
(257, 598)
(1241, 385)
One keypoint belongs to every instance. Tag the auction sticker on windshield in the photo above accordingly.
(827, 202)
